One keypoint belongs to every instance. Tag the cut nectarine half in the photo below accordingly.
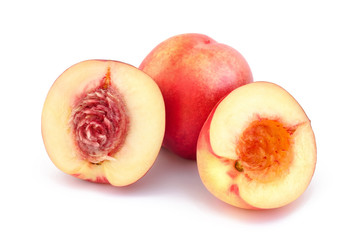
(257, 148)
(103, 121)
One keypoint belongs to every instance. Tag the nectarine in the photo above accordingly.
(103, 121)
(193, 72)
(257, 148)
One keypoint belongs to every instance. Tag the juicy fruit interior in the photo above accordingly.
(99, 122)
(265, 150)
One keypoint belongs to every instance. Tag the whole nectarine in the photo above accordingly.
(193, 72)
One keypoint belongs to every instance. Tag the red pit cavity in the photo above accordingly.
(99, 123)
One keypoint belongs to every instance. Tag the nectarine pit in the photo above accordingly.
(99, 122)
(265, 150)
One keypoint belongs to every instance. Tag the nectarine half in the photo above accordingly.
(257, 148)
(103, 121)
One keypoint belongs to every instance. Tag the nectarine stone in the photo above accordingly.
(99, 122)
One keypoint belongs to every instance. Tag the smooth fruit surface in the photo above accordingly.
(103, 121)
(257, 148)
(193, 72)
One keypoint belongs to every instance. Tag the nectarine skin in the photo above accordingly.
(193, 72)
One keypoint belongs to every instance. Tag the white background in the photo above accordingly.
(311, 48)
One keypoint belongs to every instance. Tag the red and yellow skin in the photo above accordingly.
(193, 72)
